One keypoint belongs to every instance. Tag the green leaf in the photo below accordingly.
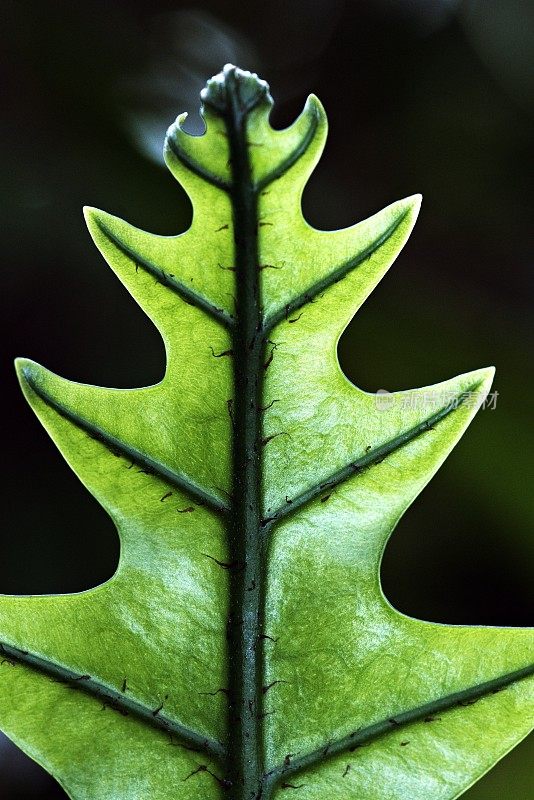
(244, 646)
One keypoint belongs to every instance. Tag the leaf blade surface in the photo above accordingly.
(244, 644)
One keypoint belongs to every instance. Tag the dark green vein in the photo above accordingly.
(374, 456)
(115, 700)
(246, 584)
(337, 274)
(360, 737)
(150, 465)
(292, 158)
(194, 167)
(185, 292)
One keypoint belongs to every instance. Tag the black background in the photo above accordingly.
(423, 96)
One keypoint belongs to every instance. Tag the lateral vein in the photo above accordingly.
(337, 274)
(374, 456)
(185, 292)
(181, 481)
(196, 168)
(362, 736)
(114, 699)
(285, 165)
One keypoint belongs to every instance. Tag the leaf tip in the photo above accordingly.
(478, 384)
(22, 365)
(89, 212)
(313, 104)
(174, 130)
(485, 377)
(415, 200)
(93, 217)
(27, 371)
(101, 224)
(411, 205)
(245, 87)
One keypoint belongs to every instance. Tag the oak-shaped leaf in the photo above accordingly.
(244, 647)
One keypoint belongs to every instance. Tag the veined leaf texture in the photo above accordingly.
(244, 648)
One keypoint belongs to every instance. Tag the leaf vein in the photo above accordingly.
(114, 699)
(202, 496)
(385, 726)
(196, 168)
(334, 276)
(374, 456)
(185, 292)
(285, 165)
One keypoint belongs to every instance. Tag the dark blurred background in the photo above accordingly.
(431, 96)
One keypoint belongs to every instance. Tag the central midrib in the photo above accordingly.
(244, 627)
